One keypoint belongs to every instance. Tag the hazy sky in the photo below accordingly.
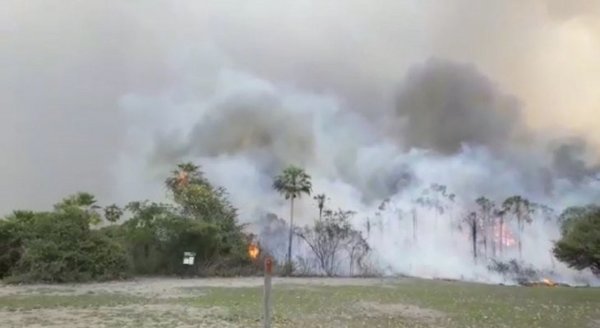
(69, 68)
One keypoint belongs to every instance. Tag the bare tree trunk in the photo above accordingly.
(493, 241)
(351, 261)
(520, 239)
(289, 254)
(474, 238)
(485, 233)
(414, 222)
(501, 233)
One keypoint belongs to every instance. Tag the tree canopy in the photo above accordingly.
(579, 246)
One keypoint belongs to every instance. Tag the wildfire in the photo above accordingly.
(182, 179)
(504, 236)
(253, 251)
(548, 282)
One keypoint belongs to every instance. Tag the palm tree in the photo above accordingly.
(184, 175)
(320, 203)
(292, 183)
(83, 201)
(113, 213)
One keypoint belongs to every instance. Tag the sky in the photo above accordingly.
(93, 92)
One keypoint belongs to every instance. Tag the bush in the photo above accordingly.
(514, 270)
(59, 247)
(580, 244)
(10, 248)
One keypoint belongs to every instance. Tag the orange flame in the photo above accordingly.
(182, 179)
(548, 282)
(253, 251)
(504, 236)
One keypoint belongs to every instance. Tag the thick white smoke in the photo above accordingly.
(246, 129)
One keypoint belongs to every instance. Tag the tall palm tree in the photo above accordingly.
(292, 183)
(320, 204)
(184, 175)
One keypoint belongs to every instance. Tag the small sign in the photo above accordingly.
(188, 258)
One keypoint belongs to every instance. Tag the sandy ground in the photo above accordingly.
(164, 314)
(174, 287)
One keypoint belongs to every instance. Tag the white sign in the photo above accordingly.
(188, 258)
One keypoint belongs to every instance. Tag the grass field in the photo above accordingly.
(298, 303)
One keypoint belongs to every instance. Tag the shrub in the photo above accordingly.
(59, 246)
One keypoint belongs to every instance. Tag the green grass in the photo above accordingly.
(465, 305)
(460, 305)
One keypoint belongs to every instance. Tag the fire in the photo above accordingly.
(548, 282)
(504, 236)
(182, 179)
(253, 251)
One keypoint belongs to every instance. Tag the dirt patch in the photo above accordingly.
(165, 288)
(152, 315)
(407, 311)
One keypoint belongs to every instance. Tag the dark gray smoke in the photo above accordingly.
(255, 125)
(569, 161)
(446, 105)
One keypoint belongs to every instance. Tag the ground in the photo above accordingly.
(298, 302)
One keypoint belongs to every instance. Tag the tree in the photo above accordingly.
(184, 175)
(292, 183)
(59, 245)
(436, 198)
(473, 224)
(486, 210)
(82, 201)
(358, 249)
(113, 213)
(320, 198)
(580, 244)
(500, 213)
(332, 235)
(522, 209)
(197, 198)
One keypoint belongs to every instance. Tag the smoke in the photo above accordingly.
(375, 102)
(447, 105)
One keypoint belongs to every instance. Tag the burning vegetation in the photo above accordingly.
(253, 250)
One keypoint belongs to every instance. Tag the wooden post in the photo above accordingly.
(267, 294)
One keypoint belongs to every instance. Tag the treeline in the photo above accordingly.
(493, 228)
(81, 241)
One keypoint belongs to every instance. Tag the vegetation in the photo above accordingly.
(78, 240)
(330, 237)
(292, 183)
(68, 244)
(580, 243)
